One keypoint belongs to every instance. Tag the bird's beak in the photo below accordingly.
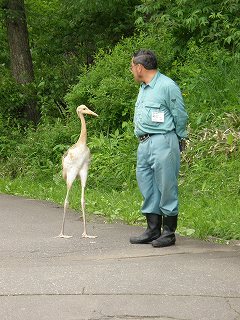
(92, 113)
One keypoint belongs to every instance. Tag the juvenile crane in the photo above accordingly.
(75, 163)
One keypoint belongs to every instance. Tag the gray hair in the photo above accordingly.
(146, 58)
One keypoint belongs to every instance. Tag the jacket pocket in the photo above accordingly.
(148, 111)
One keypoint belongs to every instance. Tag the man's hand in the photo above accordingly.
(182, 145)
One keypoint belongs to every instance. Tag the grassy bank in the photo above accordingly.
(209, 205)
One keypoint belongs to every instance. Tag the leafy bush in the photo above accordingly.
(203, 21)
(36, 153)
(209, 78)
(109, 86)
(114, 158)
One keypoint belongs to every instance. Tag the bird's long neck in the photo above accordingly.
(83, 135)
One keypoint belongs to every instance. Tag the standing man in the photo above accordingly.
(160, 124)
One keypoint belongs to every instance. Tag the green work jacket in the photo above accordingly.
(160, 108)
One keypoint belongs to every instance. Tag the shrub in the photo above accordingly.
(210, 79)
(108, 86)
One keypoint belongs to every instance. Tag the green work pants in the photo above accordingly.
(158, 163)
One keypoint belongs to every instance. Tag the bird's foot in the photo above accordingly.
(61, 235)
(85, 235)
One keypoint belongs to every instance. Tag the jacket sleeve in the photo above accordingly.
(177, 109)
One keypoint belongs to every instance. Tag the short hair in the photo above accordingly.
(147, 58)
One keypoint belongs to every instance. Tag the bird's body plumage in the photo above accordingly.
(73, 161)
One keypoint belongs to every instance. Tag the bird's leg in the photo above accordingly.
(62, 235)
(84, 235)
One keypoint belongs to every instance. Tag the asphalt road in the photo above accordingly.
(43, 277)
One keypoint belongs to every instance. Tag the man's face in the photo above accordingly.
(136, 70)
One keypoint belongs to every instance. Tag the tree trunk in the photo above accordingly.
(20, 55)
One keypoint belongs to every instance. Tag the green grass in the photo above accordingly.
(113, 205)
(204, 213)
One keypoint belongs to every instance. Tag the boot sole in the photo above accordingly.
(162, 245)
(144, 241)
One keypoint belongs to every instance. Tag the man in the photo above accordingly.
(160, 125)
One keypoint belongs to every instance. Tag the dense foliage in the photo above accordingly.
(108, 85)
(81, 53)
(210, 21)
(64, 37)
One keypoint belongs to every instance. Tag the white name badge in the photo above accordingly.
(158, 116)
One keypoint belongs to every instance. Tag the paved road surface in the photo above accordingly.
(47, 278)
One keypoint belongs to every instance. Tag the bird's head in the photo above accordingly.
(82, 109)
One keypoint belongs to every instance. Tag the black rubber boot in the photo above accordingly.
(153, 231)
(167, 237)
